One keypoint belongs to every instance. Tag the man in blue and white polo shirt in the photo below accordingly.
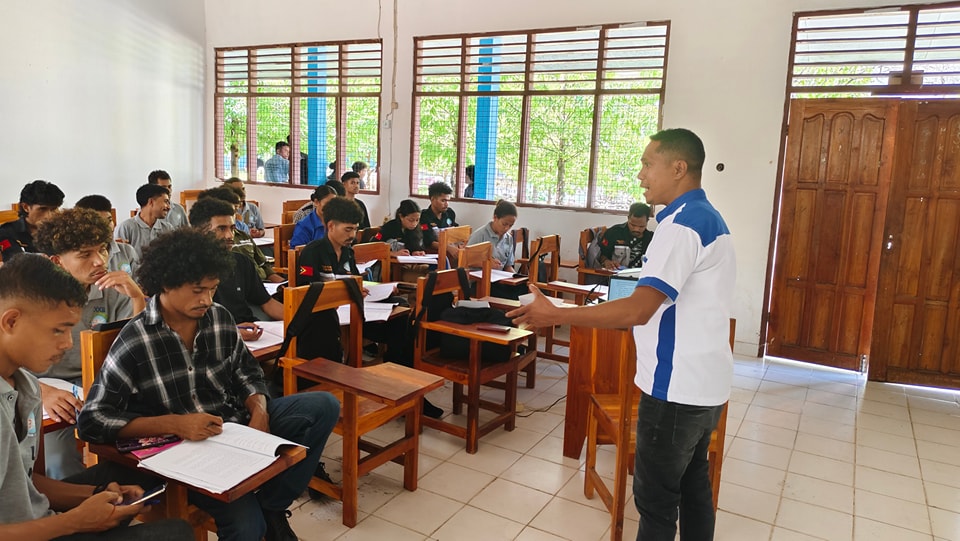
(680, 314)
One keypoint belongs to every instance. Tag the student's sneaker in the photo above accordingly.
(430, 410)
(320, 472)
(278, 528)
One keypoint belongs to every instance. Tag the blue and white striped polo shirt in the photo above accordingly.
(683, 354)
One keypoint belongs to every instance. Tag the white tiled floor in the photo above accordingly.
(811, 453)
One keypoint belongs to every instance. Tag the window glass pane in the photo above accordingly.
(361, 145)
(436, 149)
(495, 120)
(273, 126)
(234, 147)
(318, 138)
(558, 154)
(626, 121)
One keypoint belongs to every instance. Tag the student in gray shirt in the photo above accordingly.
(122, 255)
(149, 223)
(77, 240)
(39, 303)
(495, 232)
(177, 215)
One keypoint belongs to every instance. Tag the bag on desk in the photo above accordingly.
(456, 347)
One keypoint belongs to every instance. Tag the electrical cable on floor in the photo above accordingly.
(528, 413)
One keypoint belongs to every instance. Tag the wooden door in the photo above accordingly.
(833, 201)
(917, 321)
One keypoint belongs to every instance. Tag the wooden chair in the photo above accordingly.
(612, 419)
(367, 235)
(8, 216)
(94, 346)
(549, 246)
(447, 243)
(188, 198)
(370, 397)
(478, 257)
(521, 237)
(294, 204)
(584, 270)
(293, 256)
(472, 372)
(369, 251)
(281, 243)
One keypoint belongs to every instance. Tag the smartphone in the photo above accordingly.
(148, 495)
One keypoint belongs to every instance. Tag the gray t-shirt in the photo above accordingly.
(21, 413)
(136, 232)
(503, 247)
(177, 217)
(123, 258)
(102, 307)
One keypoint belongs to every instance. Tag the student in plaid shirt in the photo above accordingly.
(180, 367)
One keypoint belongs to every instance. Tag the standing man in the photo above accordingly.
(249, 213)
(438, 215)
(680, 316)
(38, 201)
(277, 168)
(177, 215)
(180, 368)
(149, 223)
(623, 245)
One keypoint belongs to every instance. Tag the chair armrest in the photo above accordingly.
(569, 265)
(386, 383)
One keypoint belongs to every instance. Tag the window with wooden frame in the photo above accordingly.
(321, 100)
(554, 118)
(899, 50)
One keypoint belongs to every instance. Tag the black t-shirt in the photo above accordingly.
(365, 222)
(241, 289)
(619, 235)
(412, 239)
(429, 220)
(15, 239)
(319, 263)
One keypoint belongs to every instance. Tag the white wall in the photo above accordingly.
(725, 80)
(96, 94)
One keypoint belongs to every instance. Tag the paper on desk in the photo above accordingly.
(63, 385)
(378, 292)
(362, 267)
(599, 289)
(272, 335)
(263, 241)
(430, 259)
(495, 275)
(527, 298)
(472, 304)
(372, 311)
(272, 287)
(220, 462)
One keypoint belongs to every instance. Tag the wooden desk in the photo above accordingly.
(592, 356)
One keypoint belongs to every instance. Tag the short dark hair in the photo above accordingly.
(223, 193)
(159, 174)
(40, 192)
(35, 278)
(340, 209)
(438, 188)
(406, 208)
(684, 145)
(469, 171)
(322, 191)
(359, 166)
(279, 146)
(71, 230)
(337, 187)
(639, 210)
(206, 209)
(504, 208)
(349, 175)
(182, 256)
(148, 191)
(98, 203)
(233, 180)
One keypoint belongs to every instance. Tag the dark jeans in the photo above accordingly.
(161, 530)
(671, 476)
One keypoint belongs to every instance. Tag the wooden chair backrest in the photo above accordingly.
(367, 235)
(293, 258)
(294, 204)
(281, 243)
(448, 236)
(334, 294)
(9, 216)
(447, 282)
(545, 246)
(254, 202)
(188, 197)
(478, 256)
(286, 217)
(94, 346)
(15, 206)
(369, 251)
(134, 212)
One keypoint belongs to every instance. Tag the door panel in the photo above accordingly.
(830, 229)
(917, 318)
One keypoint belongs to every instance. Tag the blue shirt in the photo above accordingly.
(277, 169)
(307, 229)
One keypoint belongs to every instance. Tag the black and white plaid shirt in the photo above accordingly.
(148, 372)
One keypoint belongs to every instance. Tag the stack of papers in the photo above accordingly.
(218, 463)
(372, 311)
(495, 275)
(429, 259)
(599, 289)
(378, 292)
(272, 335)
(362, 267)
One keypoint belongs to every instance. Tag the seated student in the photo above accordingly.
(39, 303)
(38, 201)
(122, 255)
(438, 215)
(241, 288)
(77, 240)
(351, 181)
(362, 169)
(242, 242)
(177, 215)
(496, 232)
(181, 368)
(623, 245)
(405, 237)
(311, 228)
(249, 213)
(148, 224)
(308, 208)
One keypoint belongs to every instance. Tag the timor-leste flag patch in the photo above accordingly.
(306, 271)
(5, 245)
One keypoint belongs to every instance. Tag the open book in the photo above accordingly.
(218, 463)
